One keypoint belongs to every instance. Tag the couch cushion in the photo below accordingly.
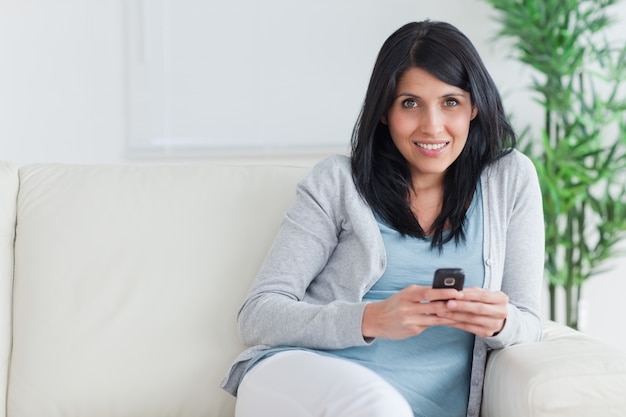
(127, 283)
(8, 198)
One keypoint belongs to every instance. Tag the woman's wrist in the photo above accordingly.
(368, 329)
(501, 328)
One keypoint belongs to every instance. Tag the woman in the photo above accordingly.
(342, 316)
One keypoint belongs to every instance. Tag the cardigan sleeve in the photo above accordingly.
(288, 303)
(518, 236)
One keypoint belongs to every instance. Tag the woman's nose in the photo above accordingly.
(431, 121)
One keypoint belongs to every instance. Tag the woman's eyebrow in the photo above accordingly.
(450, 94)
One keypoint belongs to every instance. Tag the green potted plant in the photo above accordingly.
(580, 151)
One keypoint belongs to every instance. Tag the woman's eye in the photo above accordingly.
(409, 103)
(451, 102)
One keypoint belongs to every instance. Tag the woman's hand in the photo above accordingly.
(411, 311)
(480, 311)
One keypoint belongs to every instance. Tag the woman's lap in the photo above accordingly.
(299, 383)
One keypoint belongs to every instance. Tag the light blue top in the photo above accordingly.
(431, 370)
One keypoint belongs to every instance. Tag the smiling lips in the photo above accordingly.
(432, 146)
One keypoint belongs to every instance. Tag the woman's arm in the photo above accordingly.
(524, 258)
(278, 310)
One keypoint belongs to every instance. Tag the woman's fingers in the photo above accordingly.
(480, 311)
(412, 310)
(407, 313)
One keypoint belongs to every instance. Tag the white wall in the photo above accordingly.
(288, 84)
(61, 81)
(63, 97)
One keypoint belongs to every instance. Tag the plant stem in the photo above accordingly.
(552, 290)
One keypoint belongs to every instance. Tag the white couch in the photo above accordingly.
(119, 287)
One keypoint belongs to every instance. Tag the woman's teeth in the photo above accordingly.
(431, 146)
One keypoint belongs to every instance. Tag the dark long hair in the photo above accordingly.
(380, 172)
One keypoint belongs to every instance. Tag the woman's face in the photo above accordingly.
(429, 123)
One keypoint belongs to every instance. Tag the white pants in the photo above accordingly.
(305, 384)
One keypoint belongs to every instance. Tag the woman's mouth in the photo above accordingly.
(432, 146)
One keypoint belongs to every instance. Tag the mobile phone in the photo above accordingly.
(449, 278)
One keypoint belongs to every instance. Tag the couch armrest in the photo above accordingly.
(566, 374)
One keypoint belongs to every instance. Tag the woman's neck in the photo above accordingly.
(426, 205)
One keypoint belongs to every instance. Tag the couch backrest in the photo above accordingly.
(8, 197)
(127, 283)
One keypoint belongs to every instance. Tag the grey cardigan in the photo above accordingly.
(329, 252)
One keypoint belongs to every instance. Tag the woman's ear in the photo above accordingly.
(474, 112)
(383, 119)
